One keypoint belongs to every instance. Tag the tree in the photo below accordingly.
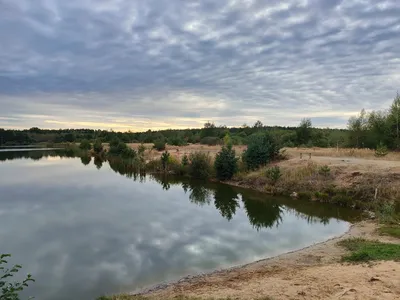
(200, 165)
(164, 160)
(209, 130)
(261, 149)
(304, 132)
(227, 139)
(394, 118)
(98, 147)
(258, 125)
(225, 163)
(358, 128)
(85, 145)
(159, 145)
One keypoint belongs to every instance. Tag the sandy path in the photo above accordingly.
(311, 273)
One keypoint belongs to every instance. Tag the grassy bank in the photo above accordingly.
(355, 186)
(362, 250)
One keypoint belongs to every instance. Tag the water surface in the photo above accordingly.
(84, 230)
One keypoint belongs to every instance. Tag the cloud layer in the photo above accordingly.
(157, 63)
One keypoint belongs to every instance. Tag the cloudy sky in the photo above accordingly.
(125, 64)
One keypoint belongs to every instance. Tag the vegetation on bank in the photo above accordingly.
(362, 250)
(9, 289)
(390, 230)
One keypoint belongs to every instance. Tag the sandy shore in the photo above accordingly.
(310, 273)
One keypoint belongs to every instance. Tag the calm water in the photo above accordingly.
(84, 230)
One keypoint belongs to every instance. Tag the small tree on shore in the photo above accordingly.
(85, 145)
(98, 147)
(225, 163)
(261, 149)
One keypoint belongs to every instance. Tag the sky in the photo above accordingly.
(158, 64)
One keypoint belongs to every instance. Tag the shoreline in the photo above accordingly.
(307, 271)
(189, 279)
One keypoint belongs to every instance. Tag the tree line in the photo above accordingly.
(210, 134)
(367, 130)
(376, 129)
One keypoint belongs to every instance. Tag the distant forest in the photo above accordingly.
(367, 130)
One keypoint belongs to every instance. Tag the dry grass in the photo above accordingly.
(342, 152)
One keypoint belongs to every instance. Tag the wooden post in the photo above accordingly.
(310, 155)
(301, 155)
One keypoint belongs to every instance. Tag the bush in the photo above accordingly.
(159, 145)
(273, 174)
(185, 160)
(200, 165)
(11, 290)
(122, 149)
(98, 147)
(164, 160)
(85, 145)
(324, 171)
(226, 163)
(260, 150)
(141, 149)
(381, 150)
(321, 196)
(210, 141)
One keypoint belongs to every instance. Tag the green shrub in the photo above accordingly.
(11, 290)
(121, 149)
(305, 195)
(164, 160)
(98, 147)
(381, 150)
(342, 200)
(260, 150)
(321, 196)
(185, 160)
(85, 145)
(141, 149)
(226, 163)
(200, 165)
(210, 141)
(159, 145)
(324, 171)
(273, 174)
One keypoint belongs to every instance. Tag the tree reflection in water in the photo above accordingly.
(262, 210)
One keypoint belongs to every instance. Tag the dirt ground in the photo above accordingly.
(311, 273)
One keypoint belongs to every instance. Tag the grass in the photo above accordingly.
(364, 250)
(130, 297)
(343, 152)
(391, 230)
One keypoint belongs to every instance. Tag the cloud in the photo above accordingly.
(160, 63)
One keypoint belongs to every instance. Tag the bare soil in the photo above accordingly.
(311, 273)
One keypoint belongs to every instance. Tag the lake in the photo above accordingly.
(84, 228)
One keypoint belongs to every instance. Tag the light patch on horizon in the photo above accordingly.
(159, 64)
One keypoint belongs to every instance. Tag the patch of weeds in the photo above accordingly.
(321, 196)
(305, 195)
(391, 230)
(342, 200)
(364, 250)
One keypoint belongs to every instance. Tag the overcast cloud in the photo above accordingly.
(142, 64)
